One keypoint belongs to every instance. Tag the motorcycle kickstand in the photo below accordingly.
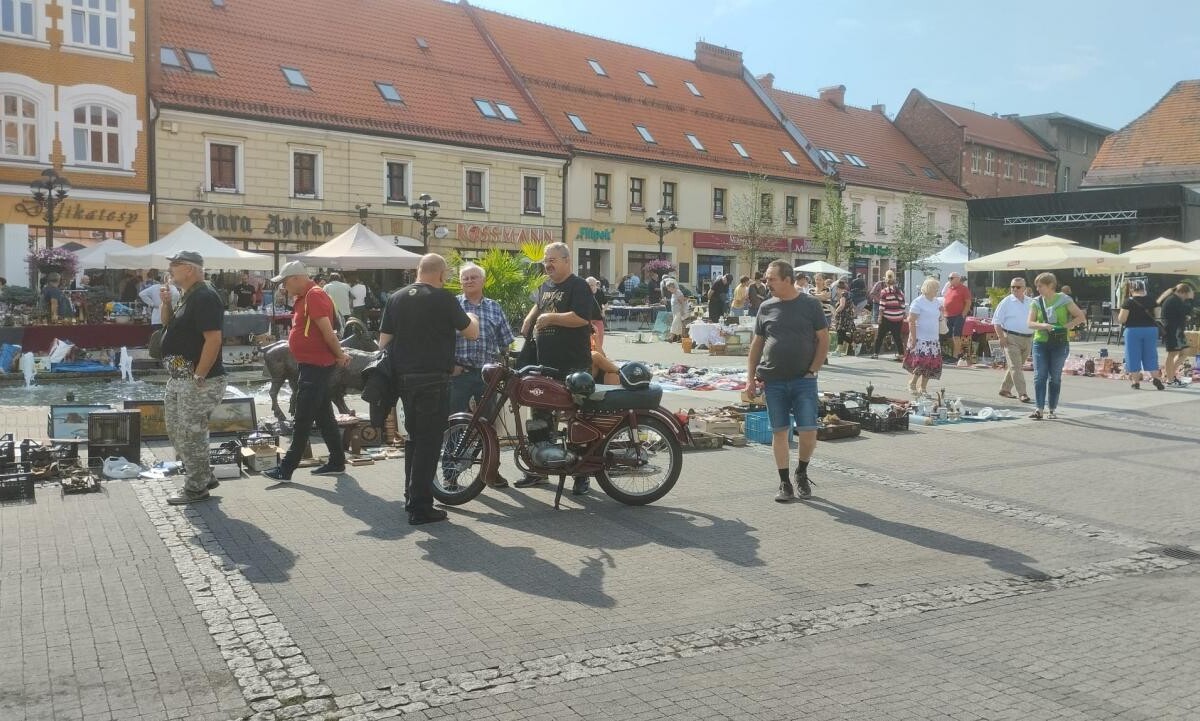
(562, 481)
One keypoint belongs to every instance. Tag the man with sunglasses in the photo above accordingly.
(1011, 320)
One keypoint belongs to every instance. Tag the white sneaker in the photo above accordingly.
(119, 468)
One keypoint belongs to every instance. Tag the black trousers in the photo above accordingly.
(426, 401)
(313, 404)
(892, 328)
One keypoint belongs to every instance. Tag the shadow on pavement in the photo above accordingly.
(385, 519)
(1121, 428)
(261, 559)
(459, 549)
(998, 557)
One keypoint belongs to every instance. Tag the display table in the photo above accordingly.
(705, 334)
(244, 324)
(978, 326)
(629, 314)
(39, 338)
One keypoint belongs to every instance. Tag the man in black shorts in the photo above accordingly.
(423, 319)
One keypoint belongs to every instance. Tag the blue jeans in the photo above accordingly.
(792, 398)
(464, 388)
(1048, 359)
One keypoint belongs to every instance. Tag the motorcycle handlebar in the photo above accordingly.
(540, 370)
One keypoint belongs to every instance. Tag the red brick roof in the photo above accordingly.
(869, 135)
(1160, 146)
(1001, 133)
(342, 49)
(553, 63)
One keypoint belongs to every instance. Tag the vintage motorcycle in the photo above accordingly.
(621, 436)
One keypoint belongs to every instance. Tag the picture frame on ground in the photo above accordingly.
(154, 419)
(231, 417)
(71, 420)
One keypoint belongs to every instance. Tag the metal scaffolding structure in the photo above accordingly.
(1058, 218)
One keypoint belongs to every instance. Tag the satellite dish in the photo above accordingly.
(441, 232)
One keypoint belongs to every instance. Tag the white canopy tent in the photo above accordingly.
(359, 248)
(951, 259)
(820, 266)
(217, 255)
(97, 255)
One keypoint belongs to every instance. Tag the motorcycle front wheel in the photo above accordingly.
(641, 467)
(459, 476)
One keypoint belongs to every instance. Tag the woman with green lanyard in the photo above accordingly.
(1052, 316)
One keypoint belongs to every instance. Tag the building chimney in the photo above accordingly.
(767, 81)
(835, 94)
(717, 59)
(879, 108)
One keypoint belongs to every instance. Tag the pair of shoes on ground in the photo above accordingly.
(1022, 398)
(278, 474)
(1039, 416)
(580, 488)
(803, 489)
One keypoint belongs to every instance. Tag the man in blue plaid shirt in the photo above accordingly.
(495, 337)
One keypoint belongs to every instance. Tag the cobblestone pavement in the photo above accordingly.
(997, 570)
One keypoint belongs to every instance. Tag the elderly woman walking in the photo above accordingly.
(1051, 317)
(679, 311)
(923, 360)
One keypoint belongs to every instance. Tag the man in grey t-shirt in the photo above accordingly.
(791, 340)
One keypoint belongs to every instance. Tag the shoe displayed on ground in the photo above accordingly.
(277, 474)
(1158, 384)
(497, 481)
(329, 470)
(433, 515)
(184, 497)
(119, 468)
(529, 481)
(786, 494)
(581, 487)
(803, 485)
(213, 484)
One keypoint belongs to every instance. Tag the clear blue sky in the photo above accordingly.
(1103, 61)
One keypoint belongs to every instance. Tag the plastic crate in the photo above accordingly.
(16, 485)
(758, 427)
(8, 449)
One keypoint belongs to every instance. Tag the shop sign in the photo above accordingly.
(67, 211)
(278, 225)
(586, 233)
(879, 250)
(511, 234)
(725, 241)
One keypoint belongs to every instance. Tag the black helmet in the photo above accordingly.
(635, 376)
(581, 383)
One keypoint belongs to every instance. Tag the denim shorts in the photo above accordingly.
(792, 398)
(956, 323)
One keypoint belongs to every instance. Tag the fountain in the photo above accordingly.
(27, 369)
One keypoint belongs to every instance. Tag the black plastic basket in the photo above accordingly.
(16, 485)
(8, 449)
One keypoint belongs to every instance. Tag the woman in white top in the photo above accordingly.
(679, 310)
(924, 356)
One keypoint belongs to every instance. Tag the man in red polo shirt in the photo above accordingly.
(317, 351)
(956, 301)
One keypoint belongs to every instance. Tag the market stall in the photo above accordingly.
(39, 338)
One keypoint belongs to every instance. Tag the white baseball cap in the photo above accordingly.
(291, 268)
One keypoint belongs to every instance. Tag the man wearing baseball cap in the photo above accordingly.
(191, 353)
(317, 352)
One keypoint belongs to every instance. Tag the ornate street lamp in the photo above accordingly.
(48, 191)
(425, 211)
(660, 224)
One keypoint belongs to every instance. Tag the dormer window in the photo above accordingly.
(577, 122)
(597, 67)
(645, 134)
(389, 92)
(646, 78)
(169, 58)
(294, 77)
(830, 156)
(855, 160)
(486, 109)
(740, 150)
(199, 61)
(507, 112)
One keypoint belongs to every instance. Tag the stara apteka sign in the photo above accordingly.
(277, 224)
(67, 212)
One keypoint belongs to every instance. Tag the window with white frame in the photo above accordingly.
(96, 24)
(18, 127)
(396, 181)
(856, 216)
(97, 136)
(1022, 171)
(989, 160)
(475, 189)
(814, 212)
(224, 166)
(531, 194)
(1008, 167)
(306, 173)
(881, 219)
(1041, 173)
(975, 160)
(719, 203)
(20, 18)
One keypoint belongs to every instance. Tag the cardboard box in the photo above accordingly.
(225, 471)
(260, 458)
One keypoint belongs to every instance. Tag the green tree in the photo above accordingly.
(913, 238)
(836, 230)
(754, 222)
(510, 278)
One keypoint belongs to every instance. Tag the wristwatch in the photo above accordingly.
(198, 378)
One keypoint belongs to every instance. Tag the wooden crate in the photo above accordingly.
(841, 429)
(704, 441)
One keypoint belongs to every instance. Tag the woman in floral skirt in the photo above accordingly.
(923, 359)
(843, 319)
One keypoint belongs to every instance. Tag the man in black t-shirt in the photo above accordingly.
(191, 353)
(560, 320)
(243, 293)
(418, 329)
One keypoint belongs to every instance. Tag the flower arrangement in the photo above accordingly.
(660, 266)
(53, 260)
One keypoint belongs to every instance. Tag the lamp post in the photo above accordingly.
(660, 224)
(48, 191)
(425, 211)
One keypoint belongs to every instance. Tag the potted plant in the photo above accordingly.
(661, 266)
(53, 260)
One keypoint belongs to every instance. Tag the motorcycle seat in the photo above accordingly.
(619, 398)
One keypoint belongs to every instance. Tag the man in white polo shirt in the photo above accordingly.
(1011, 320)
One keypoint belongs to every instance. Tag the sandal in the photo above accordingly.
(1036, 415)
(1026, 399)
(1006, 394)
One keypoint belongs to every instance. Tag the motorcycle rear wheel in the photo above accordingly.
(642, 469)
(459, 476)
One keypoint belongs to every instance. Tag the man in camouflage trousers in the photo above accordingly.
(191, 351)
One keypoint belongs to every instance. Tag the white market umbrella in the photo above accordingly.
(97, 255)
(1163, 255)
(217, 255)
(1048, 252)
(359, 248)
(820, 266)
